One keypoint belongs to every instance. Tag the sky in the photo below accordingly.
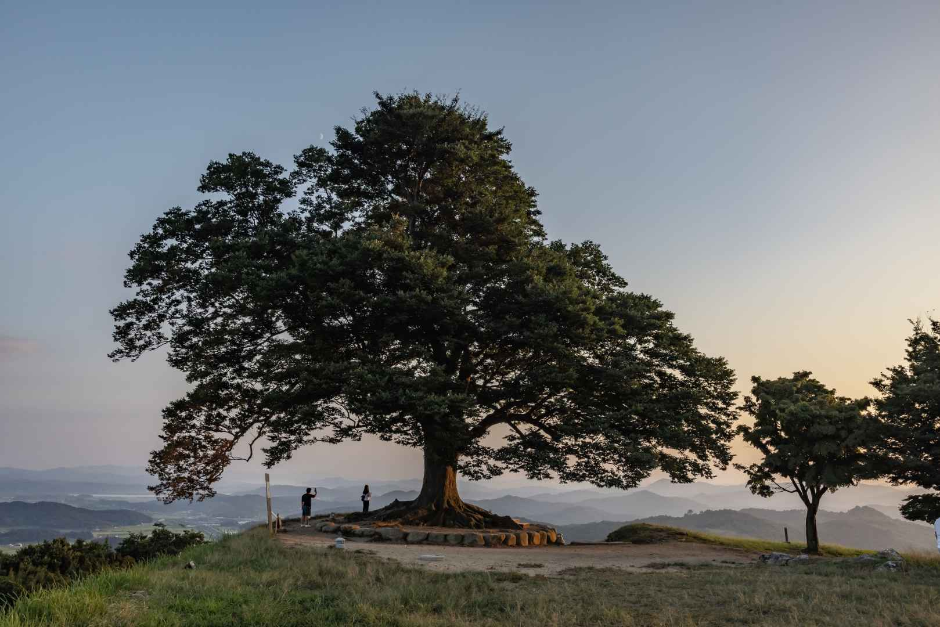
(769, 171)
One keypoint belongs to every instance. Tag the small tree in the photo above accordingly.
(909, 406)
(810, 439)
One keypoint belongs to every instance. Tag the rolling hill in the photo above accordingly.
(59, 516)
(861, 527)
(626, 506)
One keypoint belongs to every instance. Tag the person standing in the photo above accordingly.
(366, 497)
(306, 502)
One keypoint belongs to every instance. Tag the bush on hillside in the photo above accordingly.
(161, 541)
(56, 562)
(644, 533)
(10, 591)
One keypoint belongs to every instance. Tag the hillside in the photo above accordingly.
(862, 527)
(587, 506)
(44, 515)
(250, 579)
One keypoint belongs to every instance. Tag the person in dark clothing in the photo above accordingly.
(306, 502)
(366, 497)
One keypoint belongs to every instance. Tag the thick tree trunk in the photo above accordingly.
(439, 503)
(439, 487)
(812, 536)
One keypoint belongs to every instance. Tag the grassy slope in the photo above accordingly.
(251, 580)
(645, 533)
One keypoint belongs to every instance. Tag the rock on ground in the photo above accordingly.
(890, 554)
(413, 537)
(782, 559)
(390, 533)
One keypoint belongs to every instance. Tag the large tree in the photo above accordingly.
(410, 292)
(909, 405)
(811, 441)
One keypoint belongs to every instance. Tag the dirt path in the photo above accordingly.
(549, 560)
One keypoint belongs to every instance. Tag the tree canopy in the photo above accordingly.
(401, 284)
(909, 405)
(812, 442)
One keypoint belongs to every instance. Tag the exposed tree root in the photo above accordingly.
(412, 513)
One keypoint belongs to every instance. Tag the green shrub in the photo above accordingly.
(10, 591)
(161, 541)
(54, 562)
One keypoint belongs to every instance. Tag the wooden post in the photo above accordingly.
(267, 492)
(786, 535)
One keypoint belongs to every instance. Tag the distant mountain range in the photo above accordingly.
(589, 513)
(60, 516)
(589, 507)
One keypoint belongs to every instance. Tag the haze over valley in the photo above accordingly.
(113, 501)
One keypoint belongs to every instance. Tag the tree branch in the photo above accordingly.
(503, 415)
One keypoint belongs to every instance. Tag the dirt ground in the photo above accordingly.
(549, 560)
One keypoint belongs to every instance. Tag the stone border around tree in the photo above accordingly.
(530, 536)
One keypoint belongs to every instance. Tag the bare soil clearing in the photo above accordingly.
(553, 559)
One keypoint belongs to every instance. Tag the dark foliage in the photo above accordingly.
(812, 442)
(924, 507)
(909, 405)
(10, 591)
(413, 295)
(57, 562)
(161, 541)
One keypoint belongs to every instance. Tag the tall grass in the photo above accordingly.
(251, 580)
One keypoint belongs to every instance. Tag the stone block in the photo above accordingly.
(413, 537)
(473, 539)
(390, 533)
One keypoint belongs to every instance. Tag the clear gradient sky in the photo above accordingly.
(770, 171)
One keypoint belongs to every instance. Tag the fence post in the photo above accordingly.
(267, 493)
(786, 535)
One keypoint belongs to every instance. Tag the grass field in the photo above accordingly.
(250, 580)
